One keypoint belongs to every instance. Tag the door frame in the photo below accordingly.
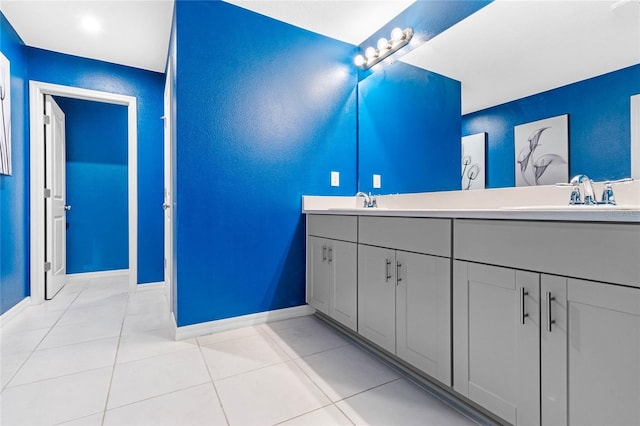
(37, 90)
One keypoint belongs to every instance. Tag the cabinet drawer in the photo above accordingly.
(336, 227)
(420, 235)
(604, 252)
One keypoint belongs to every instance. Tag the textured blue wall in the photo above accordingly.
(14, 196)
(147, 87)
(599, 126)
(96, 167)
(408, 130)
(266, 111)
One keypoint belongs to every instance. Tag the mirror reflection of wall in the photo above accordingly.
(586, 63)
(408, 131)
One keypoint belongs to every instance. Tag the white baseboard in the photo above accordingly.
(85, 276)
(150, 286)
(15, 310)
(202, 329)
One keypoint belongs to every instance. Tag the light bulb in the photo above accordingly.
(397, 35)
(383, 44)
(371, 53)
(359, 60)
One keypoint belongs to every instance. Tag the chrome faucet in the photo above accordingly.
(369, 200)
(587, 188)
(607, 192)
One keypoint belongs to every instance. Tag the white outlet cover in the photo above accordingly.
(376, 181)
(335, 178)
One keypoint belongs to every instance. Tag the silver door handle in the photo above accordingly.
(324, 253)
(387, 270)
(165, 206)
(67, 208)
(398, 269)
(330, 257)
(523, 314)
(550, 320)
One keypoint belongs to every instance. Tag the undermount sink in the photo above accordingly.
(574, 207)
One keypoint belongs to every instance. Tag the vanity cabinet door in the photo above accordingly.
(497, 340)
(344, 305)
(603, 354)
(376, 296)
(553, 340)
(423, 314)
(319, 275)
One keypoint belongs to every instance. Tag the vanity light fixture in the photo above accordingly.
(373, 55)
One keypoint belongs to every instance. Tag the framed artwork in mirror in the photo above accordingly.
(542, 151)
(5, 116)
(473, 164)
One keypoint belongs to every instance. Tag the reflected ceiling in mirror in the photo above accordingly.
(509, 50)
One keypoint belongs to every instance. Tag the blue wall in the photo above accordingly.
(599, 126)
(14, 195)
(148, 88)
(96, 168)
(266, 111)
(408, 130)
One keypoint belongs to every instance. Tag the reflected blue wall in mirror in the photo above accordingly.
(599, 126)
(408, 131)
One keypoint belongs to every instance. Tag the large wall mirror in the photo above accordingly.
(516, 62)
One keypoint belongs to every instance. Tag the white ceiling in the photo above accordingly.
(351, 21)
(507, 50)
(134, 32)
(512, 49)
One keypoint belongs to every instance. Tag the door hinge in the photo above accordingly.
(47, 266)
(47, 120)
(47, 193)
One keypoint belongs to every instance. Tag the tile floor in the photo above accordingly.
(97, 356)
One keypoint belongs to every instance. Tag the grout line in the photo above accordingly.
(308, 412)
(115, 361)
(40, 342)
(215, 389)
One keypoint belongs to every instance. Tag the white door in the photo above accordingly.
(168, 194)
(56, 222)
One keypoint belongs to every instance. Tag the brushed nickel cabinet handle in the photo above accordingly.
(330, 257)
(398, 270)
(523, 313)
(387, 270)
(550, 320)
(324, 253)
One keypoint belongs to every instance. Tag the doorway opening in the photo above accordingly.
(38, 166)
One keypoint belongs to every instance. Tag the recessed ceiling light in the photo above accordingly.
(91, 25)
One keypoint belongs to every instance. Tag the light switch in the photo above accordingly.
(376, 181)
(335, 178)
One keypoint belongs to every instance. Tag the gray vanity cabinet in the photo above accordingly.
(548, 347)
(591, 354)
(332, 267)
(404, 296)
(496, 328)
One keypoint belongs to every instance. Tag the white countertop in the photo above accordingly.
(532, 203)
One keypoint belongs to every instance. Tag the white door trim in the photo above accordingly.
(37, 90)
(635, 136)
